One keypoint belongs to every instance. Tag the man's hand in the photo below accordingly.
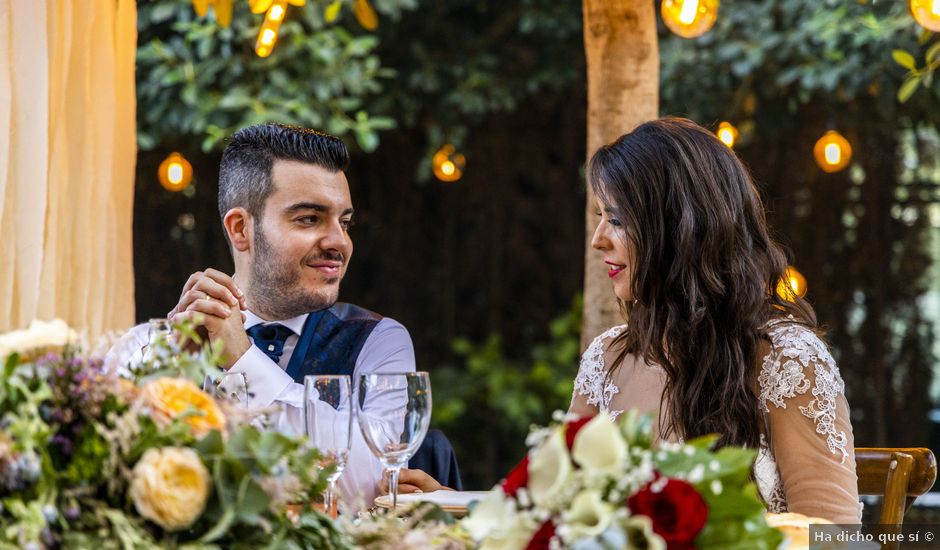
(213, 302)
(412, 481)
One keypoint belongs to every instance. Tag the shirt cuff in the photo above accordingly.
(265, 380)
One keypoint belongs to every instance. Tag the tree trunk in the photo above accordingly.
(623, 92)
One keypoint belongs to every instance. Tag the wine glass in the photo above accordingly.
(328, 423)
(394, 411)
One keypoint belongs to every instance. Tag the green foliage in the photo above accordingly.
(198, 82)
(918, 75)
(493, 395)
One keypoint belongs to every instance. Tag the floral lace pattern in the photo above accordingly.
(592, 381)
(783, 375)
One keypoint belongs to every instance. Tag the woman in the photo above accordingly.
(709, 346)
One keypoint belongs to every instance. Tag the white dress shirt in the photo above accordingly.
(387, 349)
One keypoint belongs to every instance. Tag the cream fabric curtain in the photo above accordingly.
(67, 157)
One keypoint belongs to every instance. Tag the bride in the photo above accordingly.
(709, 346)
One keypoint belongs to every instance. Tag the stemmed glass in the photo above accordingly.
(328, 423)
(394, 411)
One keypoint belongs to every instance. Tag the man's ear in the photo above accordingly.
(238, 227)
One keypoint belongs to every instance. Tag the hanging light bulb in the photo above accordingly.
(448, 164)
(689, 18)
(792, 284)
(727, 133)
(175, 172)
(268, 34)
(832, 152)
(927, 13)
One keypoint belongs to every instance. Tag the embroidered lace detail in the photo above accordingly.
(767, 477)
(783, 376)
(592, 380)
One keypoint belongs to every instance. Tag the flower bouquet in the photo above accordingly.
(92, 460)
(593, 483)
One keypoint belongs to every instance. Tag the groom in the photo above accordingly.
(286, 211)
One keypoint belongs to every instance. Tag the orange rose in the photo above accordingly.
(170, 399)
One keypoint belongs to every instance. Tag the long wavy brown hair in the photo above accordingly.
(706, 273)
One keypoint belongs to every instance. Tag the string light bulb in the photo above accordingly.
(927, 13)
(792, 285)
(727, 133)
(832, 152)
(267, 36)
(689, 18)
(448, 164)
(175, 172)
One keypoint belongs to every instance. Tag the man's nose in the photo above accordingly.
(336, 238)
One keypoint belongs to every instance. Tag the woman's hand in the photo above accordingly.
(412, 481)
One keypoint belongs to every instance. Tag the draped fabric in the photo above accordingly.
(67, 159)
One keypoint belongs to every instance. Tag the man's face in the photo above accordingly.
(301, 241)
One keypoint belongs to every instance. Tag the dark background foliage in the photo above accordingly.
(479, 269)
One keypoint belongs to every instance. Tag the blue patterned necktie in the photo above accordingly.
(270, 339)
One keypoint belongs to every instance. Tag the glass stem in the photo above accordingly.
(393, 485)
(329, 500)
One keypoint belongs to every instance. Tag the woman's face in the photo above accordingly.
(610, 237)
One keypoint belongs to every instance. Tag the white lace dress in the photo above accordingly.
(806, 458)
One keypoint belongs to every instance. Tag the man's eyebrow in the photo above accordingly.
(296, 207)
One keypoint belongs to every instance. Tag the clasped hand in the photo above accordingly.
(213, 303)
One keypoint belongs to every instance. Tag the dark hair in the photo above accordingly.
(706, 273)
(245, 172)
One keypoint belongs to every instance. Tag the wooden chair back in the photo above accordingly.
(900, 475)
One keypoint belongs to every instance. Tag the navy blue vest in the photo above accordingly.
(331, 341)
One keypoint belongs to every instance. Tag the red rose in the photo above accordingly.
(517, 478)
(572, 428)
(542, 537)
(678, 511)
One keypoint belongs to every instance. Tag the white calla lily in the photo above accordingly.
(495, 523)
(588, 516)
(599, 447)
(549, 469)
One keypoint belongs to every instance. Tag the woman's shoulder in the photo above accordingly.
(797, 360)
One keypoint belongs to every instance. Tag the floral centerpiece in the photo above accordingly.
(89, 459)
(593, 483)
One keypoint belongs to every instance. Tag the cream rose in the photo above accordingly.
(599, 447)
(41, 336)
(549, 469)
(169, 486)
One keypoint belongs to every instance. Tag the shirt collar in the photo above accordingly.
(296, 324)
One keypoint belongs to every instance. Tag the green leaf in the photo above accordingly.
(932, 52)
(904, 59)
(221, 527)
(908, 88)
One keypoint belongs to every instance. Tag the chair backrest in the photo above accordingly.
(900, 475)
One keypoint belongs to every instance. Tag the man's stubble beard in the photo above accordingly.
(276, 292)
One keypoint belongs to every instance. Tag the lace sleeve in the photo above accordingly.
(592, 390)
(799, 362)
(803, 397)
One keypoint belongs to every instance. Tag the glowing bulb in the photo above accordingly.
(727, 133)
(832, 152)
(689, 18)
(276, 13)
(448, 164)
(792, 284)
(927, 13)
(689, 10)
(175, 172)
(267, 37)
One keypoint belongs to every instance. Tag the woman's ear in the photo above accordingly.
(237, 223)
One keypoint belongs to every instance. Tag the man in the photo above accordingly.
(286, 210)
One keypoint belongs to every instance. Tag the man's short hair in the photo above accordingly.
(245, 172)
